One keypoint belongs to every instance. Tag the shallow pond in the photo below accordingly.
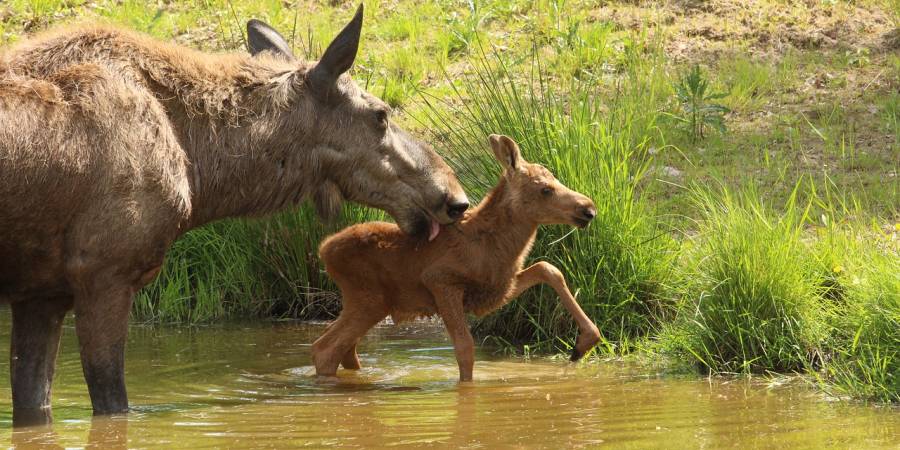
(252, 386)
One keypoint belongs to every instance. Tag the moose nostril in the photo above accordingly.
(589, 213)
(456, 210)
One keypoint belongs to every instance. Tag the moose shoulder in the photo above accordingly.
(113, 144)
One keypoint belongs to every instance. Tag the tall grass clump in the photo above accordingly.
(594, 141)
(863, 347)
(750, 300)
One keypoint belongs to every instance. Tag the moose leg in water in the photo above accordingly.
(36, 328)
(101, 322)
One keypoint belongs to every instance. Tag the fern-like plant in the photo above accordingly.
(697, 109)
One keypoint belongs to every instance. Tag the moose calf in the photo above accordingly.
(474, 266)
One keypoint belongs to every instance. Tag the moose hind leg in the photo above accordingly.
(36, 329)
(101, 322)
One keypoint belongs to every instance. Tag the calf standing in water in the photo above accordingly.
(474, 266)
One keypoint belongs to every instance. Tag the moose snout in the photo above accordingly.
(455, 209)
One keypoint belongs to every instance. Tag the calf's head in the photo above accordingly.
(536, 193)
(361, 155)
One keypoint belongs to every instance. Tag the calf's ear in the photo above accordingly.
(506, 151)
(263, 38)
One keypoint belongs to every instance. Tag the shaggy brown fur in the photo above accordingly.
(113, 144)
(474, 266)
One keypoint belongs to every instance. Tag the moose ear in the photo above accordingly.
(339, 55)
(505, 150)
(261, 37)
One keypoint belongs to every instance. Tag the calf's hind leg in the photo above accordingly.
(544, 272)
(338, 344)
(36, 329)
(351, 358)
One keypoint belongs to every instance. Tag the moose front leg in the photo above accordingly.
(101, 323)
(544, 272)
(449, 303)
(36, 328)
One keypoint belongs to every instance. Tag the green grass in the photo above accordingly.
(749, 303)
(859, 265)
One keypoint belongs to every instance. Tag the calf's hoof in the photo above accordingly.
(584, 343)
(576, 355)
(325, 366)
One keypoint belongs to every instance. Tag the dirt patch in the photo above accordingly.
(700, 29)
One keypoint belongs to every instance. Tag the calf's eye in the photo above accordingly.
(547, 190)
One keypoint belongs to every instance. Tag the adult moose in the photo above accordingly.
(113, 144)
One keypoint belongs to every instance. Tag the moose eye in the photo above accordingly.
(381, 118)
(547, 191)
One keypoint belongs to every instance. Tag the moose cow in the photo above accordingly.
(113, 144)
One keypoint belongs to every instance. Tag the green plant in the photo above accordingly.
(464, 29)
(750, 300)
(893, 7)
(863, 346)
(697, 111)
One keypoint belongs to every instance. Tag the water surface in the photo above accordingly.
(252, 386)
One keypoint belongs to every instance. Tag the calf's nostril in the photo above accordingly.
(456, 210)
(589, 213)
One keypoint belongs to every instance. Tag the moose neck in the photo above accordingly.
(245, 160)
(244, 171)
(512, 232)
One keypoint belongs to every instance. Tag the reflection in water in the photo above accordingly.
(254, 386)
(105, 433)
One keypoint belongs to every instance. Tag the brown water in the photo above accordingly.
(252, 386)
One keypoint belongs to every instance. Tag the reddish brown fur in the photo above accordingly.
(474, 266)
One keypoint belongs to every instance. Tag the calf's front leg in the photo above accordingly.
(449, 301)
(544, 272)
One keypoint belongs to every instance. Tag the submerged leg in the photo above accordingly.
(351, 358)
(101, 322)
(36, 329)
(338, 344)
(544, 272)
(449, 303)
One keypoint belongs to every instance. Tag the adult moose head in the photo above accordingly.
(365, 156)
(113, 144)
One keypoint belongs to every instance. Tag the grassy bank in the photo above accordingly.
(744, 165)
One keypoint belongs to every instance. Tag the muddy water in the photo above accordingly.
(252, 386)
